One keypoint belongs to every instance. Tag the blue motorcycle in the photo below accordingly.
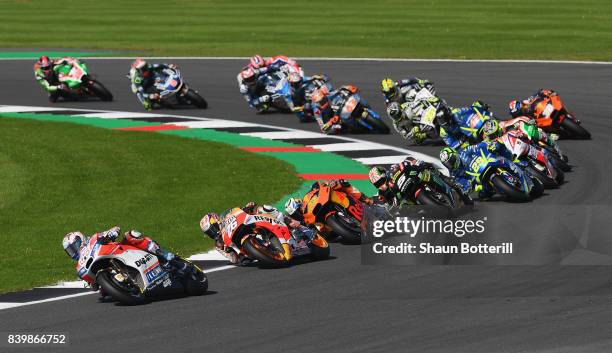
(278, 88)
(357, 116)
(173, 90)
(498, 173)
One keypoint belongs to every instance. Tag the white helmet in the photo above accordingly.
(292, 205)
(72, 244)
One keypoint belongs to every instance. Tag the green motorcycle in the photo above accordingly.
(77, 83)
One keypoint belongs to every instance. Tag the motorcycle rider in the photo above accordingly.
(463, 126)
(400, 99)
(328, 107)
(525, 126)
(210, 225)
(302, 94)
(75, 242)
(528, 105)
(142, 75)
(399, 183)
(46, 77)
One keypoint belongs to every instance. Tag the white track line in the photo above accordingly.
(510, 61)
(210, 255)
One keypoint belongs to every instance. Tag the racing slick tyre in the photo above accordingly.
(196, 283)
(349, 233)
(263, 255)
(537, 190)
(575, 130)
(547, 182)
(100, 91)
(319, 248)
(378, 125)
(428, 198)
(509, 190)
(115, 290)
(561, 164)
(195, 99)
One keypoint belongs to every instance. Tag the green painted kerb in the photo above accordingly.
(304, 162)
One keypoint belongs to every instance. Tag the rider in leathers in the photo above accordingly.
(142, 76)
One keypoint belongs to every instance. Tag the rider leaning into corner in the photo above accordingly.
(210, 226)
(399, 182)
(400, 98)
(327, 105)
(45, 72)
(142, 75)
(75, 243)
(251, 87)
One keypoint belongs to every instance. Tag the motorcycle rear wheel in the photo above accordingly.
(547, 182)
(425, 198)
(104, 278)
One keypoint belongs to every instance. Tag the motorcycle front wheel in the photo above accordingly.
(194, 98)
(266, 255)
(115, 289)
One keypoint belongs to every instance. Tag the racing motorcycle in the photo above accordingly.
(356, 115)
(539, 166)
(432, 190)
(172, 91)
(424, 111)
(133, 276)
(559, 160)
(263, 237)
(77, 82)
(552, 116)
(278, 88)
(497, 173)
(334, 212)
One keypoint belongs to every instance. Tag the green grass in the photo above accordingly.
(59, 177)
(488, 29)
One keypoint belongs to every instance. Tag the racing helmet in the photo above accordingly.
(450, 158)
(319, 95)
(293, 207)
(210, 225)
(294, 79)
(388, 88)
(44, 62)
(72, 243)
(268, 209)
(257, 61)
(378, 176)
(248, 76)
(491, 129)
(139, 64)
(514, 107)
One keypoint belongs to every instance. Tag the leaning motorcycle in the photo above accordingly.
(539, 166)
(172, 91)
(264, 238)
(552, 116)
(133, 276)
(76, 81)
(506, 178)
(357, 116)
(281, 94)
(334, 212)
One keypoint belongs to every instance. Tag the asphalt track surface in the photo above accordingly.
(340, 305)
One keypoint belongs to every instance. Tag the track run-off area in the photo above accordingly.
(347, 306)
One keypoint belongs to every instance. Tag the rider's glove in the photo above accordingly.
(264, 99)
(243, 89)
(147, 105)
(417, 135)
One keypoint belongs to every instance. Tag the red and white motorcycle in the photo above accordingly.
(132, 276)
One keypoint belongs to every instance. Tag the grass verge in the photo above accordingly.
(57, 177)
(490, 29)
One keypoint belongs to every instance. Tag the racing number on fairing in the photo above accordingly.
(477, 162)
(350, 104)
(356, 211)
(229, 225)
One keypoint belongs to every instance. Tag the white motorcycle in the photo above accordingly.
(132, 276)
